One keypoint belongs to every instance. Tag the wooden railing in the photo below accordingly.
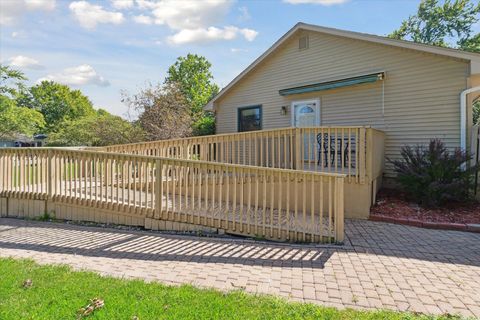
(321, 149)
(254, 201)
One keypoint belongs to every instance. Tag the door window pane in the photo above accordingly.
(306, 110)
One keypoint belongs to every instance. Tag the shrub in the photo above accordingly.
(432, 175)
(204, 126)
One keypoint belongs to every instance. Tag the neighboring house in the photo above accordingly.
(410, 91)
(21, 140)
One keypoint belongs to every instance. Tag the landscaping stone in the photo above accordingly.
(473, 227)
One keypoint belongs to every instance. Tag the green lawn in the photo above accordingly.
(57, 293)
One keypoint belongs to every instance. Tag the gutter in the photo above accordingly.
(463, 116)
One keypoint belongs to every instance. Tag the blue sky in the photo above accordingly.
(104, 47)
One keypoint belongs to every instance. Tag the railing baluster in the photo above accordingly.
(169, 178)
(330, 208)
(249, 199)
(213, 179)
(272, 202)
(321, 208)
(227, 198)
(264, 210)
(159, 189)
(180, 189)
(234, 204)
(241, 186)
(199, 194)
(312, 207)
(280, 200)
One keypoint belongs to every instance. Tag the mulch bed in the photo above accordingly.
(393, 206)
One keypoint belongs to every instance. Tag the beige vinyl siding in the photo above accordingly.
(421, 90)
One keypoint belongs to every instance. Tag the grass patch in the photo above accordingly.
(45, 217)
(57, 292)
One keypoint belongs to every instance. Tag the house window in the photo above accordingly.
(250, 118)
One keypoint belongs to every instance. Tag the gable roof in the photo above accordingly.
(449, 52)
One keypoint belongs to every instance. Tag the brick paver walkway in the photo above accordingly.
(381, 265)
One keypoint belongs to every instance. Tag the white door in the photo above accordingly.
(307, 114)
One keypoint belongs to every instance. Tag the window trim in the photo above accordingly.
(239, 111)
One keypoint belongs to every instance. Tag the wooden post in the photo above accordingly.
(298, 150)
(369, 148)
(361, 155)
(339, 212)
(50, 174)
(158, 189)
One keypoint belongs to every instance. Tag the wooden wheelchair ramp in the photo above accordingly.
(270, 203)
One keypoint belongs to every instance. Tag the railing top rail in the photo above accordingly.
(172, 160)
(257, 132)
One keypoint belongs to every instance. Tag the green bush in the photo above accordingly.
(204, 126)
(432, 175)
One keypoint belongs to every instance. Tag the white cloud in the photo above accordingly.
(46, 5)
(244, 14)
(89, 15)
(20, 34)
(77, 76)
(25, 62)
(145, 4)
(321, 2)
(193, 20)
(249, 34)
(205, 35)
(12, 10)
(190, 14)
(142, 19)
(122, 4)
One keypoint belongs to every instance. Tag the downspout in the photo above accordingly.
(463, 116)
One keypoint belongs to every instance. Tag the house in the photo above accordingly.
(412, 92)
(21, 141)
(335, 102)
(303, 137)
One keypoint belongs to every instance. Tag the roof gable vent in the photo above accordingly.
(303, 42)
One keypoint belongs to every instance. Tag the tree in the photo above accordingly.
(14, 119)
(205, 125)
(164, 112)
(100, 129)
(57, 103)
(18, 120)
(9, 76)
(476, 111)
(192, 73)
(439, 25)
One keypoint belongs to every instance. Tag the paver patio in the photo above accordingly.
(380, 266)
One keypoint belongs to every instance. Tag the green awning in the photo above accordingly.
(333, 84)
